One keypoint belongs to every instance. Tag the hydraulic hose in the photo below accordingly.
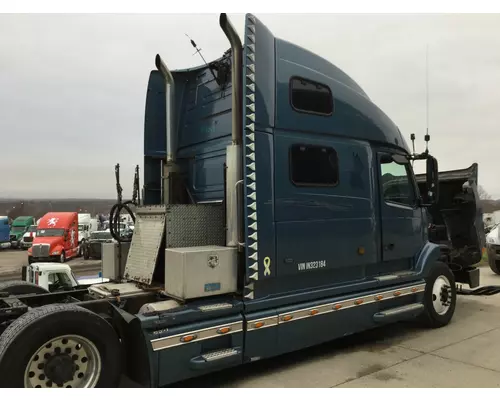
(116, 210)
(114, 220)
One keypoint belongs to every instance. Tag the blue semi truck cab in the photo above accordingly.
(4, 231)
(280, 210)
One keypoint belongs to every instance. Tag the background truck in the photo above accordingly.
(27, 239)
(19, 226)
(86, 225)
(93, 246)
(50, 277)
(280, 210)
(493, 248)
(4, 231)
(56, 238)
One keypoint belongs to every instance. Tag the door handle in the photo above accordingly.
(390, 246)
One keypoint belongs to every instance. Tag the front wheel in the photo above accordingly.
(62, 258)
(440, 297)
(494, 266)
(59, 346)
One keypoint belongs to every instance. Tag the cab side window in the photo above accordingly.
(397, 184)
(312, 165)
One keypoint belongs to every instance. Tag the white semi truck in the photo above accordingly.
(86, 225)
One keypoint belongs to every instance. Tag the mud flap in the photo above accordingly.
(146, 241)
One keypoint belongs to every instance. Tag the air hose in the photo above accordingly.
(116, 210)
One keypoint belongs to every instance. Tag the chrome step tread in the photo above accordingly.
(401, 310)
(218, 354)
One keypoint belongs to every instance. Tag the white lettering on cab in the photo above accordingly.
(311, 265)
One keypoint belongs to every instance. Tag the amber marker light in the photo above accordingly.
(188, 338)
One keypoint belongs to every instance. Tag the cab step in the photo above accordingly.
(218, 358)
(394, 275)
(399, 313)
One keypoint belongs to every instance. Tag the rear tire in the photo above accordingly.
(21, 287)
(440, 297)
(59, 345)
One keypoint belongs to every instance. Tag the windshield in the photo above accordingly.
(32, 228)
(49, 232)
(18, 229)
(101, 235)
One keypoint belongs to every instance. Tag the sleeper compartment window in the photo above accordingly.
(311, 97)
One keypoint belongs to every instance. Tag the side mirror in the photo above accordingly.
(432, 181)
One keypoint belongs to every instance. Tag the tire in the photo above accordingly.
(26, 337)
(494, 266)
(62, 258)
(86, 254)
(439, 310)
(30, 260)
(21, 287)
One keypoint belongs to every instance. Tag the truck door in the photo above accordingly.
(401, 217)
(326, 216)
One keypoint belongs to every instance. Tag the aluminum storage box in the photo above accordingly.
(193, 272)
(109, 259)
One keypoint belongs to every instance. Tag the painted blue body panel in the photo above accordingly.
(4, 230)
(354, 116)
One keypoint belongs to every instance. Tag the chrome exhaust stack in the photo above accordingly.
(233, 153)
(169, 166)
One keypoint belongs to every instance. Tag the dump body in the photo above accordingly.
(56, 238)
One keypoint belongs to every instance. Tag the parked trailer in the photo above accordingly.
(280, 211)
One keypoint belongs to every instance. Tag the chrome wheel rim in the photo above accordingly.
(68, 361)
(441, 295)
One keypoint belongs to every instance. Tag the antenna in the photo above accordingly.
(427, 88)
(198, 51)
(427, 137)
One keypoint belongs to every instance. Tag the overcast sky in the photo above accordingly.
(72, 87)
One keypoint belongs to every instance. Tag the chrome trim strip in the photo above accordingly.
(349, 303)
(268, 322)
(235, 327)
(201, 334)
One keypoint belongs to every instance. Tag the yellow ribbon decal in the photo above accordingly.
(267, 266)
